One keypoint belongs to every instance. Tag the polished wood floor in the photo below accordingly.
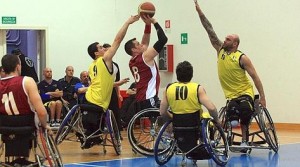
(72, 153)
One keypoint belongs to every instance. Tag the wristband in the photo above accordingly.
(45, 96)
(147, 29)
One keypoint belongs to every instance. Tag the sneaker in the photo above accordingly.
(244, 147)
(86, 145)
(52, 123)
(213, 143)
(96, 141)
(91, 142)
(57, 123)
(244, 144)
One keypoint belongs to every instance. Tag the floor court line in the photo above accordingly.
(286, 156)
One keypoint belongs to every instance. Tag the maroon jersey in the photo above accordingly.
(146, 77)
(14, 99)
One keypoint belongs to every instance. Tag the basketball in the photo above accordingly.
(146, 8)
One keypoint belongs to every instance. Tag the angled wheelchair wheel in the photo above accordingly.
(226, 125)
(113, 131)
(222, 117)
(142, 131)
(164, 147)
(268, 128)
(215, 141)
(67, 124)
(53, 157)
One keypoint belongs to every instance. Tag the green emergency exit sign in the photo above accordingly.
(9, 20)
(184, 38)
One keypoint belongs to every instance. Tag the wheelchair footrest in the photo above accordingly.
(240, 149)
(258, 142)
(22, 162)
(199, 154)
(17, 147)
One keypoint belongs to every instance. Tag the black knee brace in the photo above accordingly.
(232, 113)
(246, 111)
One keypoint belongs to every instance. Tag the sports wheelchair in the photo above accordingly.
(192, 137)
(262, 133)
(142, 130)
(19, 136)
(105, 125)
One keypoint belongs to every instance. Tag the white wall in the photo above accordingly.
(269, 33)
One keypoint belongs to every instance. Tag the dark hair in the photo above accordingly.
(92, 48)
(16, 51)
(106, 45)
(9, 63)
(129, 45)
(184, 71)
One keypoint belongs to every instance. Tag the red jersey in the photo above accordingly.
(146, 77)
(14, 99)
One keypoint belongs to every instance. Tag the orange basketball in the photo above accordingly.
(146, 8)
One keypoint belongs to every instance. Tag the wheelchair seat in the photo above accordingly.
(186, 129)
(18, 134)
(187, 132)
(193, 138)
(91, 125)
(261, 134)
(90, 107)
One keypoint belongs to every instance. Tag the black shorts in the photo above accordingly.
(149, 103)
(241, 107)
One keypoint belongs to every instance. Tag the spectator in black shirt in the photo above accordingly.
(51, 93)
(68, 85)
(27, 65)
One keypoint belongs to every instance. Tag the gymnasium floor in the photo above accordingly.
(287, 156)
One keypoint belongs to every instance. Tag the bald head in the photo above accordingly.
(84, 77)
(231, 43)
(47, 72)
(236, 38)
(46, 69)
(69, 71)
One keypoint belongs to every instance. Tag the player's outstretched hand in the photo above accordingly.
(148, 20)
(133, 19)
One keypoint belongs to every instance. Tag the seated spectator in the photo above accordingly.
(82, 86)
(51, 93)
(68, 83)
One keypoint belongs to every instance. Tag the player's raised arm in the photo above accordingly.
(215, 41)
(118, 39)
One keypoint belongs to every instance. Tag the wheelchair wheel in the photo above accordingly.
(67, 124)
(215, 141)
(226, 125)
(268, 128)
(222, 115)
(164, 147)
(113, 131)
(52, 154)
(142, 131)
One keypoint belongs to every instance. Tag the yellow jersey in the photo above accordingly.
(183, 97)
(232, 76)
(102, 80)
